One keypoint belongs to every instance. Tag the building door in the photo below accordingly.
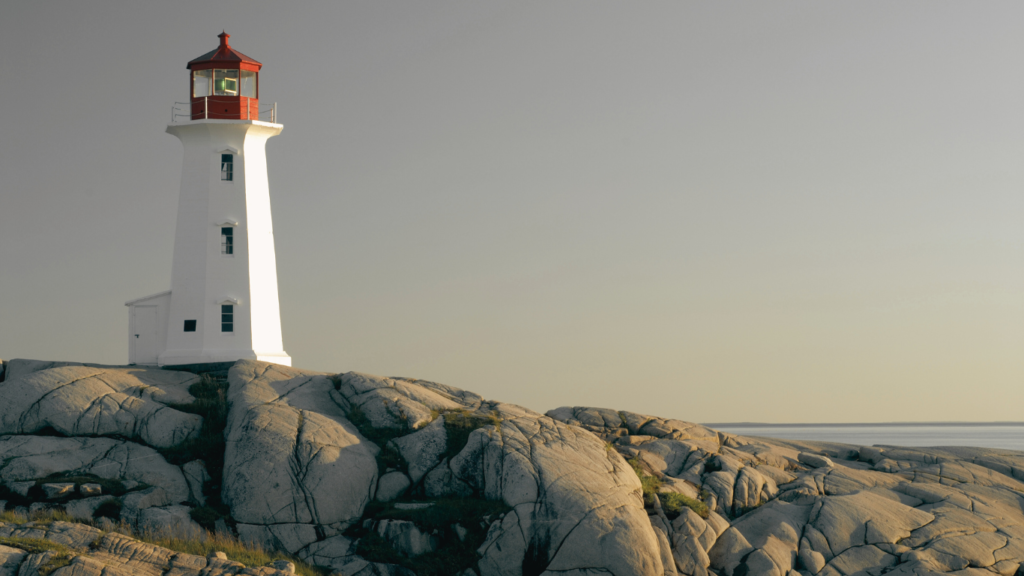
(145, 340)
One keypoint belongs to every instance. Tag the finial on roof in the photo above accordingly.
(223, 38)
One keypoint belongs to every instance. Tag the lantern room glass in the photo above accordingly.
(248, 82)
(201, 83)
(225, 82)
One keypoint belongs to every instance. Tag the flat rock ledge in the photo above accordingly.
(82, 550)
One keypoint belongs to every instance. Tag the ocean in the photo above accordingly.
(1005, 435)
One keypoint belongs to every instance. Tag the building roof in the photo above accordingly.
(144, 298)
(224, 55)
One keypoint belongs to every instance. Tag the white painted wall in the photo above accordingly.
(201, 277)
(139, 337)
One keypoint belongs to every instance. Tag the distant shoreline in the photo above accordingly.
(854, 425)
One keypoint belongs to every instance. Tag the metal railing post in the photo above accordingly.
(206, 107)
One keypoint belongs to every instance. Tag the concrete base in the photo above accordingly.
(185, 357)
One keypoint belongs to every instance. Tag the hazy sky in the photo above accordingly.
(714, 211)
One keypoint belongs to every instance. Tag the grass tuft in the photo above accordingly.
(461, 423)
(673, 502)
(248, 553)
(62, 554)
(47, 516)
(650, 484)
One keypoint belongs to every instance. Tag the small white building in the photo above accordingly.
(223, 304)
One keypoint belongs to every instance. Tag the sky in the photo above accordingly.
(710, 211)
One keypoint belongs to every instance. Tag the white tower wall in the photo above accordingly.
(202, 278)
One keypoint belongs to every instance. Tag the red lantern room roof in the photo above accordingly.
(224, 57)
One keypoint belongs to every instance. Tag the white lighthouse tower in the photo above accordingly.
(223, 303)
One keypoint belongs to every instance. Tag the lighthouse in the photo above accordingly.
(223, 303)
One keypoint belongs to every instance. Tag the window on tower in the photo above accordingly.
(227, 168)
(227, 318)
(190, 325)
(227, 240)
(225, 82)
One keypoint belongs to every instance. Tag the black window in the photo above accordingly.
(227, 240)
(190, 325)
(227, 318)
(227, 170)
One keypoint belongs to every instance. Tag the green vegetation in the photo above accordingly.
(34, 545)
(454, 554)
(461, 423)
(248, 553)
(61, 557)
(211, 402)
(650, 484)
(672, 503)
(39, 517)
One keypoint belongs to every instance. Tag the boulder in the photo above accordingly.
(815, 460)
(196, 475)
(391, 486)
(21, 488)
(54, 491)
(93, 401)
(287, 437)
(423, 449)
(332, 552)
(30, 457)
(393, 403)
(860, 559)
(284, 566)
(576, 504)
(90, 489)
(169, 521)
(134, 503)
(769, 534)
(442, 482)
(10, 560)
(865, 518)
(84, 508)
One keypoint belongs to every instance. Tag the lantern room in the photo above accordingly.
(224, 84)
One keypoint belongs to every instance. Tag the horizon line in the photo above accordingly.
(854, 424)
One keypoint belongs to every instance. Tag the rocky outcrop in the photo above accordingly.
(98, 401)
(787, 507)
(370, 475)
(572, 504)
(295, 469)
